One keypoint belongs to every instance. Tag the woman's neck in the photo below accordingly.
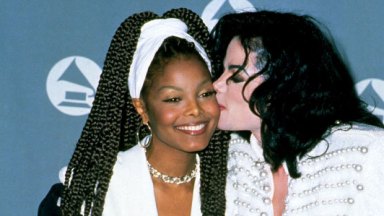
(171, 162)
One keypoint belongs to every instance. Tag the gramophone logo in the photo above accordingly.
(372, 92)
(72, 83)
(217, 8)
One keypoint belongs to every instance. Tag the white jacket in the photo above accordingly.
(131, 191)
(345, 179)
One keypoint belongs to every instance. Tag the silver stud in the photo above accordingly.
(359, 187)
(364, 150)
(267, 200)
(350, 201)
(263, 174)
(258, 164)
(235, 185)
(358, 167)
(266, 188)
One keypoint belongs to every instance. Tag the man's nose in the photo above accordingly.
(220, 84)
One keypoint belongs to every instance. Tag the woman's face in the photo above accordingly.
(181, 106)
(235, 112)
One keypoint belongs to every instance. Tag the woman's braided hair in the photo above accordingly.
(112, 123)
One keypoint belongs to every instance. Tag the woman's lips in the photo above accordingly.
(193, 129)
(221, 107)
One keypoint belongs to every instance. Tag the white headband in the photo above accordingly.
(153, 33)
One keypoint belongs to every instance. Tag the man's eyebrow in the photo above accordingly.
(238, 68)
(235, 67)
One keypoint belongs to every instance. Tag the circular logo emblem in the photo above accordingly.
(72, 83)
(216, 8)
(372, 92)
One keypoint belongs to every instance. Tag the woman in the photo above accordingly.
(314, 147)
(157, 75)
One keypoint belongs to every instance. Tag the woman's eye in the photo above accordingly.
(172, 100)
(208, 93)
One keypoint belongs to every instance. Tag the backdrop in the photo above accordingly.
(52, 52)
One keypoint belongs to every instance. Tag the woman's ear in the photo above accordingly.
(140, 108)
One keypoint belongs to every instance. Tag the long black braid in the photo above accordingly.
(113, 121)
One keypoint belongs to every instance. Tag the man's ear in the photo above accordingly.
(140, 108)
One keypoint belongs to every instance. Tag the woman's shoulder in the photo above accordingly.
(129, 153)
(127, 162)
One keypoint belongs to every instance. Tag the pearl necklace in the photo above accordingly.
(172, 180)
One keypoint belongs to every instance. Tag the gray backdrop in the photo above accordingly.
(51, 54)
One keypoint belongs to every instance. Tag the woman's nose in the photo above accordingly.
(194, 108)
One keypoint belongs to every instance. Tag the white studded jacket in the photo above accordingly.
(345, 179)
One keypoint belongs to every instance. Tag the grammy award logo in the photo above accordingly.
(371, 91)
(71, 85)
(217, 8)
